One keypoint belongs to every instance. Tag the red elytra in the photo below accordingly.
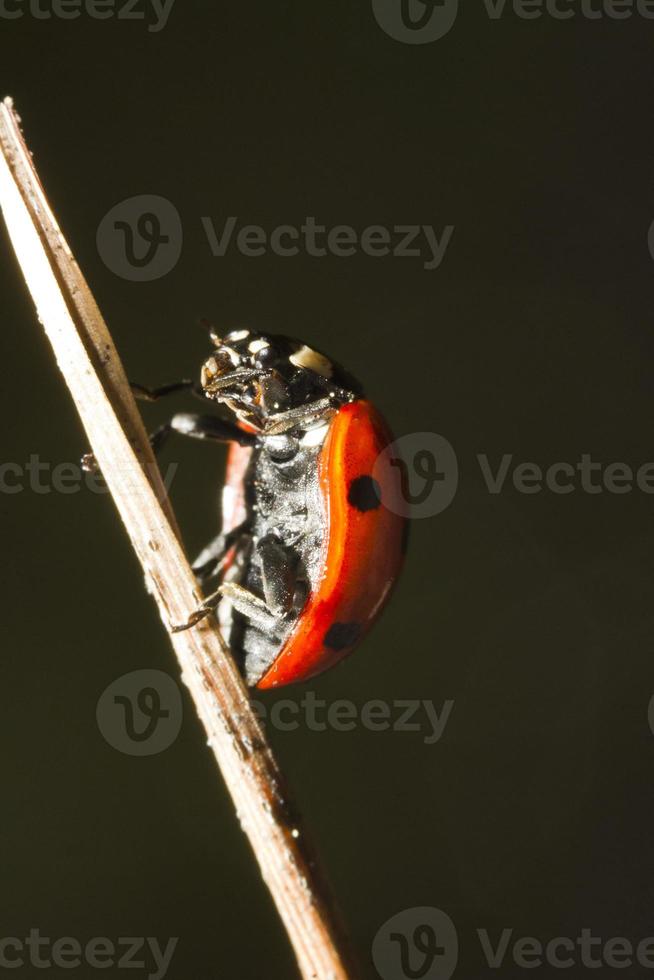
(363, 543)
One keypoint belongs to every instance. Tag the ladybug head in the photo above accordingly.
(262, 376)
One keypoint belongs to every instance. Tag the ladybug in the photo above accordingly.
(308, 551)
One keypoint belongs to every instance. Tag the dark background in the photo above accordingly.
(532, 612)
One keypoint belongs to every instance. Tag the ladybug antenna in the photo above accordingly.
(209, 327)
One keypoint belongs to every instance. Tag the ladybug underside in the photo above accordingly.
(279, 552)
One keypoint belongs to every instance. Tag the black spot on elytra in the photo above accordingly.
(364, 493)
(342, 635)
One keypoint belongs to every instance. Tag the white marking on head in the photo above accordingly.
(257, 345)
(209, 370)
(239, 334)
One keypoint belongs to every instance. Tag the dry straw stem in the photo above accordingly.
(90, 365)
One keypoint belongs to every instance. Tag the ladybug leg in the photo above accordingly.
(279, 584)
(242, 599)
(250, 605)
(143, 393)
(207, 427)
(196, 426)
(278, 567)
(209, 562)
(301, 416)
